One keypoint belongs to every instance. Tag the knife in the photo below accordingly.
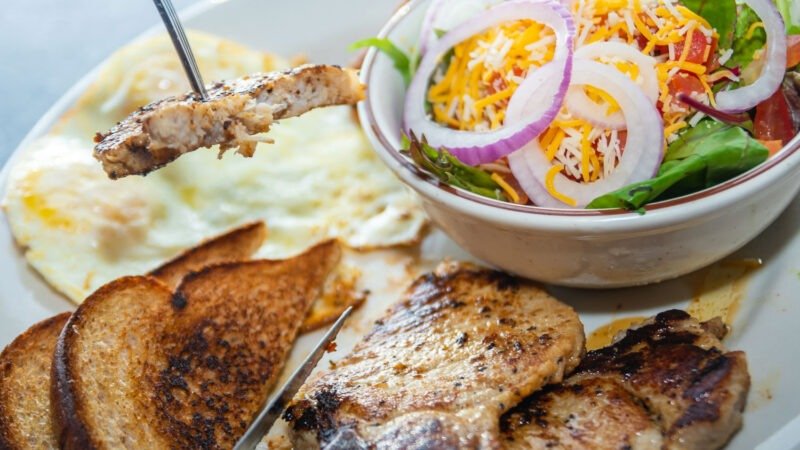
(267, 417)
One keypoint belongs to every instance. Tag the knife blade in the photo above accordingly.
(267, 417)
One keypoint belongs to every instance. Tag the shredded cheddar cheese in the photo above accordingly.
(510, 191)
(586, 153)
(601, 96)
(471, 90)
(674, 128)
(752, 30)
(550, 185)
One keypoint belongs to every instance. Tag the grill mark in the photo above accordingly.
(705, 408)
(661, 357)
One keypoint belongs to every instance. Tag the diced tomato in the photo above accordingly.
(623, 141)
(497, 83)
(685, 83)
(713, 60)
(793, 53)
(641, 40)
(697, 52)
(773, 120)
(772, 146)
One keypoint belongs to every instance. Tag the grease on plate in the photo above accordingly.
(763, 390)
(339, 293)
(722, 288)
(604, 335)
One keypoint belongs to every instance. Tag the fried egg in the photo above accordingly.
(320, 179)
(148, 69)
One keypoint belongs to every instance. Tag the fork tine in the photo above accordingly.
(173, 24)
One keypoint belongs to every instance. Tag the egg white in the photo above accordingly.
(148, 69)
(320, 179)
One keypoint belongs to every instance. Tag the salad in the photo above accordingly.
(598, 103)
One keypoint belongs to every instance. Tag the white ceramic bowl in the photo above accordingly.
(596, 249)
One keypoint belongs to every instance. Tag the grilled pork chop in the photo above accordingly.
(235, 111)
(668, 384)
(442, 366)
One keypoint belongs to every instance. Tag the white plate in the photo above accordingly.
(767, 326)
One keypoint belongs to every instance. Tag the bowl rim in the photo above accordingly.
(412, 174)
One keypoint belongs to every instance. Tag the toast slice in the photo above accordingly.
(235, 245)
(339, 293)
(140, 367)
(25, 365)
(24, 376)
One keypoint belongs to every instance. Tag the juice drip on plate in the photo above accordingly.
(604, 335)
(720, 292)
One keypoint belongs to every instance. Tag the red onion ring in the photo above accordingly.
(427, 35)
(643, 151)
(453, 13)
(722, 116)
(474, 147)
(579, 104)
(748, 97)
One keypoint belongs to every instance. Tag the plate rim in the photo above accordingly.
(788, 435)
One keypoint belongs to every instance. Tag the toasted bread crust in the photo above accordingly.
(33, 347)
(338, 294)
(189, 369)
(235, 245)
(228, 408)
(69, 413)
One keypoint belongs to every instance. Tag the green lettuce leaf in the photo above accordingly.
(451, 170)
(744, 48)
(704, 156)
(404, 64)
(790, 10)
(721, 14)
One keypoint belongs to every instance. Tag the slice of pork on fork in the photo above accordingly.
(236, 112)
